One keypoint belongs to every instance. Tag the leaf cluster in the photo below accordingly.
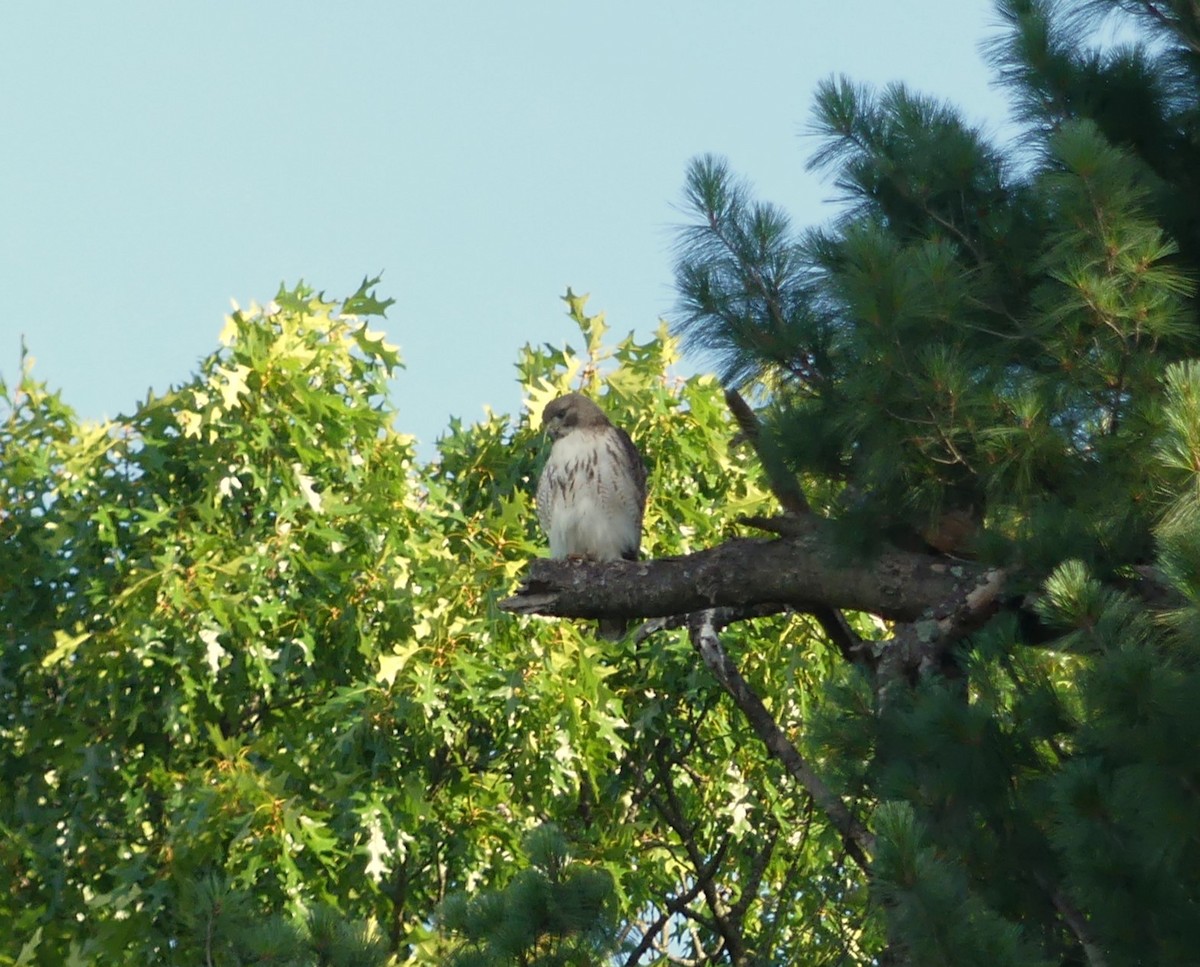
(259, 702)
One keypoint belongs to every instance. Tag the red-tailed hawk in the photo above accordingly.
(592, 492)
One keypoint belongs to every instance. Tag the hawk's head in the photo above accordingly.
(571, 412)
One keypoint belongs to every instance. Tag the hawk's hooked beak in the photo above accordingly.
(553, 426)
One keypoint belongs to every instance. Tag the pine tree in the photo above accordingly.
(982, 369)
(553, 913)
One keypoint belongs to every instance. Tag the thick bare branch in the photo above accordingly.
(804, 570)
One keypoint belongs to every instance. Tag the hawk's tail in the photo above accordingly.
(613, 629)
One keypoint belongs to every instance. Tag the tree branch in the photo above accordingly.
(921, 646)
(758, 869)
(805, 570)
(674, 906)
(725, 616)
(783, 485)
(672, 811)
(792, 499)
(857, 839)
(1076, 921)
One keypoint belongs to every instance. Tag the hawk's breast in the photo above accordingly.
(590, 497)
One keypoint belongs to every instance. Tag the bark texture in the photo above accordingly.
(804, 569)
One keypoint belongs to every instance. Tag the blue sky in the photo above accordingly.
(159, 159)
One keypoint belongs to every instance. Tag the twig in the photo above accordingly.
(675, 905)
(1075, 919)
(672, 811)
(723, 617)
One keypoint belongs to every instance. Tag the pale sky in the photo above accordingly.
(158, 159)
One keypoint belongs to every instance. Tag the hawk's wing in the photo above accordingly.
(551, 490)
(629, 465)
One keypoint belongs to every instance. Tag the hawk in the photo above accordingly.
(592, 492)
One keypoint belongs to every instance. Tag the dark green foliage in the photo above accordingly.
(553, 912)
(942, 921)
(1141, 94)
(992, 344)
(1004, 335)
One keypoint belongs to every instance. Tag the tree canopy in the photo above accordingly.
(260, 703)
(915, 677)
